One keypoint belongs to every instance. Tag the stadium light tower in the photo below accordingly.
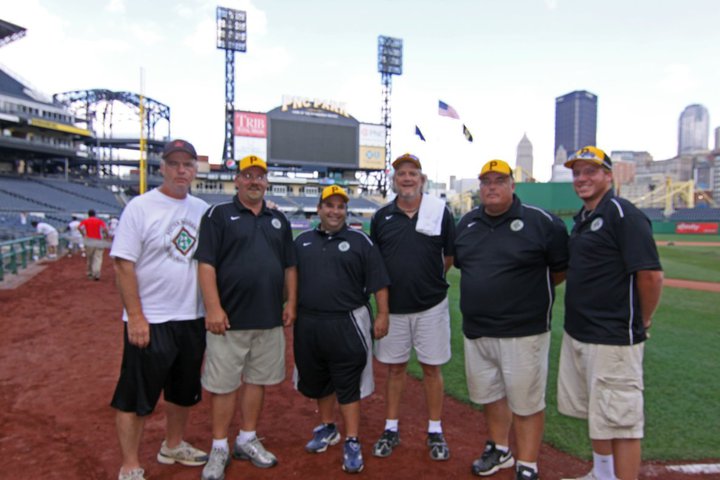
(389, 64)
(231, 37)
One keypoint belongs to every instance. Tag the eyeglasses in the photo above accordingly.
(486, 182)
(174, 164)
(250, 177)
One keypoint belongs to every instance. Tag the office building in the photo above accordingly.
(693, 130)
(575, 121)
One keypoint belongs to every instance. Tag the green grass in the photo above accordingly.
(691, 263)
(681, 374)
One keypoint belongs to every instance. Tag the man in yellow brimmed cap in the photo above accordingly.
(338, 269)
(614, 280)
(510, 255)
(246, 261)
(415, 234)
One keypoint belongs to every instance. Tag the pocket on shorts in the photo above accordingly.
(620, 402)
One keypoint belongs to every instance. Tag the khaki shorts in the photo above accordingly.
(52, 239)
(428, 331)
(244, 356)
(604, 384)
(515, 368)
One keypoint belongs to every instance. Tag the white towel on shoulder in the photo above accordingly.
(430, 216)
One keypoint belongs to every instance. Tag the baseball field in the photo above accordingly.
(60, 353)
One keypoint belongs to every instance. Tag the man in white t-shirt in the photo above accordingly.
(164, 339)
(75, 238)
(51, 237)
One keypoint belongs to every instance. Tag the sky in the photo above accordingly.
(499, 63)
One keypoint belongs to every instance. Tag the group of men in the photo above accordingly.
(220, 283)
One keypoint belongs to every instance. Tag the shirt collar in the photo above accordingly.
(515, 211)
(340, 233)
(242, 208)
(609, 195)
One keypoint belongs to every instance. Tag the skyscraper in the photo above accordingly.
(575, 121)
(524, 159)
(693, 130)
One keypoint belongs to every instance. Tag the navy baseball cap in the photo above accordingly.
(179, 145)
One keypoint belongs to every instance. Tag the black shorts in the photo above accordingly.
(170, 363)
(330, 356)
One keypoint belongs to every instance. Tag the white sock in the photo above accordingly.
(531, 465)
(391, 425)
(434, 426)
(502, 448)
(221, 444)
(244, 437)
(603, 468)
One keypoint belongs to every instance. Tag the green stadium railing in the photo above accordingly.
(19, 253)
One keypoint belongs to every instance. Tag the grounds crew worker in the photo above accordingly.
(614, 280)
(511, 255)
(246, 262)
(338, 269)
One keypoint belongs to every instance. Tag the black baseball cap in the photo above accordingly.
(179, 145)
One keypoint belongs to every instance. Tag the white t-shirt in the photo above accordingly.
(75, 233)
(45, 228)
(159, 234)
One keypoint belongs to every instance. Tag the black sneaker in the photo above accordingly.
(388, 441)
(439, 449)
(492, 460)
(526, 473)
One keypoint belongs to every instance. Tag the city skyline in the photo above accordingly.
(500, 66)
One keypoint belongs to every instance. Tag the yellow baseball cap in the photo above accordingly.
(407, 157)
(252, 161)
(334, 190)
(497, 166)
(590, 154)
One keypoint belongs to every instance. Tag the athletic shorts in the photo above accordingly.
(604, 384)
(513, 368)
(52, 239)
(170, 363)
(333, 354)
(244, 356)
(428, 331)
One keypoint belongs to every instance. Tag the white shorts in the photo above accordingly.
(427, 331)
(52, 239)
(243, 356)
(604, 384)
(515, 368)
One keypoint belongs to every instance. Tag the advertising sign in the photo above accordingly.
(696, 227)
(250, 124)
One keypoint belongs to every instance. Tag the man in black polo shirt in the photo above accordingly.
(246, 259)
(338, 268)
(511, 256)
(614, 281)
(415, 235)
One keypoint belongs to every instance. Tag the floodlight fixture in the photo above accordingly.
(231, 29)
(390, 55)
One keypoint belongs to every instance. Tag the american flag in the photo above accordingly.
(446, 110)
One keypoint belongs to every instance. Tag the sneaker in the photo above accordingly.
(323, 436)
(388, 441)
(492, 460)
(134, 474)
(526, 473)
(255, 452)
(184, 454)
(588, 476)
(352, 457)
(216, 464)
(438, 446)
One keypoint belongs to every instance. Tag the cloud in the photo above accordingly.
(146, 33)
(551, 4)
(115, 6)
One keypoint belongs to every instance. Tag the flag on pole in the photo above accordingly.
(419, 133)
(468, 135)
(446, 110)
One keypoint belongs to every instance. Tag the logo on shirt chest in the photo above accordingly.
(596, 224)
(343, 246)
(184, 241)
(180, 240)
(516, 225)
(276, 223)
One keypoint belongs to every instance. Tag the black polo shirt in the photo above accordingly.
(505, 285)
(607, 247)
(337, 272)
(250, 254)
(415, 261)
